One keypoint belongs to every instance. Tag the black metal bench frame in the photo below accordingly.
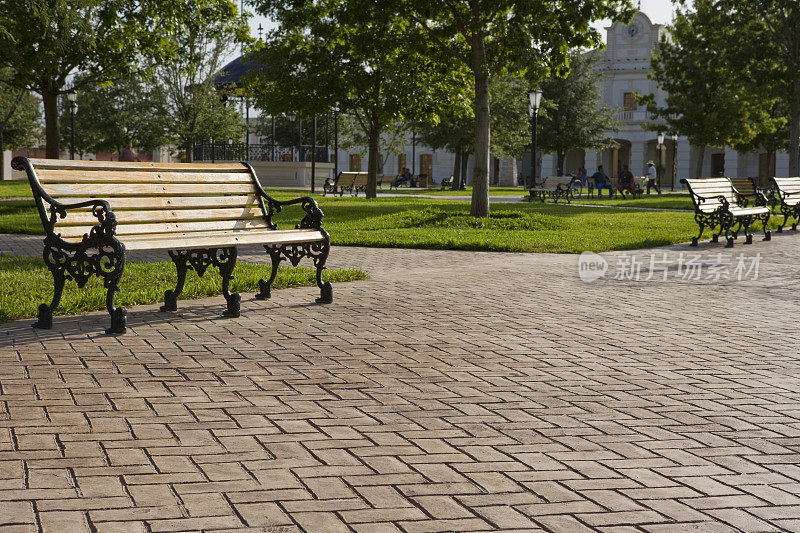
(100, 253)
(559, 191)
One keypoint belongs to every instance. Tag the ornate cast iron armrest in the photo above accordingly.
(761, 198)
(100, 209)
(724, 201)
(312, 220)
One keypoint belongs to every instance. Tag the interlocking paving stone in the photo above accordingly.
(453, 391)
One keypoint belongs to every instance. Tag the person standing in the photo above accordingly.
(652, 177)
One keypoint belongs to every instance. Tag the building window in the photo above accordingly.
(629, 102)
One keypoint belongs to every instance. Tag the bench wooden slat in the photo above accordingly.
(207, 240)
(178, 202)
(108, 190)
(84, 218)
(42, 164)
(117, 176)
(167, 227)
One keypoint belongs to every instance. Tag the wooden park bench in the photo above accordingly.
(718, 204)
(787, 191)
(353, 182)
(556, 187)
(93, 212)
(446, 182)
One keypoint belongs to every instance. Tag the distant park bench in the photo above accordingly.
(93, 212)
(556, 187)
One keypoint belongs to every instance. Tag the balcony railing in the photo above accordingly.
(257, 152)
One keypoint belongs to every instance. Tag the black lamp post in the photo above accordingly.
(313, 152)
(72, 98)
(659, 166)
(674, 160)
(534, 101)
(335, 141)
(292, 117)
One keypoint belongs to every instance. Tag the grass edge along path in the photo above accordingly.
(25, 282)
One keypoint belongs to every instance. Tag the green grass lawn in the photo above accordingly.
(14, 189)
(664, 201)
(412, 222)
(25, 283)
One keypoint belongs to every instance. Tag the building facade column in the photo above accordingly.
(508, 172)
(638, 158)
(593, 159)
(684, 157)
(732, 169)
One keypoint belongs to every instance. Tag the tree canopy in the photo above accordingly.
(358, 56)
(492, 37)
(727, 74)
(47, 42)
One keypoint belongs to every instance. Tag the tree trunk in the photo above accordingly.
(464, 161)
(794, 133)
(2, 156)
(372, 163)
(699, 168)
(480, 173)
(189, 150)
(50, 102)
(560, 165)
(456, 168)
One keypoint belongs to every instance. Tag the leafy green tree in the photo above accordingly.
(196, 110)
(110, 116)
(764, 50)
(492, 37)
(358, 55)
(571, 116)
(712, 96)
(46, 42)
(20, 119)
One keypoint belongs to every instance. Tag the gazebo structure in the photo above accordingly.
(288, 164)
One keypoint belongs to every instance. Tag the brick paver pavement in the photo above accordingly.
(453, 391)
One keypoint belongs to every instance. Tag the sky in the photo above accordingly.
(659, 11)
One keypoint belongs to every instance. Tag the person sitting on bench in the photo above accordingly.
(405, 177)
(601, 182)
(626, 182)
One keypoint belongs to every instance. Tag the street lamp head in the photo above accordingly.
(675, 137)
(291, 116)
(72, 96)
(534, 101)
(661, 138)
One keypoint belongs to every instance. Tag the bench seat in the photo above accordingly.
(93, 212)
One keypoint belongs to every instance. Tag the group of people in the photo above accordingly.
(625, 182)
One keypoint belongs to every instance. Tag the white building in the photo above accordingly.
(622, 71)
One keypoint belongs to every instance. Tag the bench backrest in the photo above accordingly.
(353, 179)
(551, 182)
(711, 189)
(746, 187)
(150, 198)
(787, 185)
